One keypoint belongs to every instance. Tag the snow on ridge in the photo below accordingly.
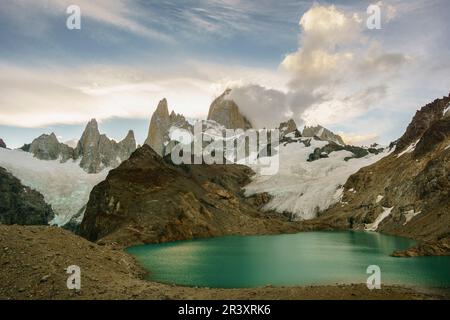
(65, 186)
(374, 225)
(305, 188)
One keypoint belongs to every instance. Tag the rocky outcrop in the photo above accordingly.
(358, 152)
(20, 204)
(409, 190)
(226, 112)
(147, 199)
(2, 144)
(422, 121)
(439, 247)
(289, 127)
(323, 134)
(98, 152)
(160, 125)
(47, 147)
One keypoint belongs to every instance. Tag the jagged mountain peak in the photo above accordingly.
(226, 112)
(163, 108)
(160, 124)
(2, 144)
(96, 150)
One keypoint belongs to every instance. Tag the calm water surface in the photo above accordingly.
(286, 260)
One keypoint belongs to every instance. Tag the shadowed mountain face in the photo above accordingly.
(147, 199)
(20, 204)
(2, 144)
(414, 181)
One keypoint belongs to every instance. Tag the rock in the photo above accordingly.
(20, 204)
(422, 121)
(439, 247)
(226, 112)
(323, 134)
(289, 127)
(2, 144)
(98, 152)
(160, 125)
(47, 147)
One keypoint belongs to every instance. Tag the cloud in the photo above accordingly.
(265, 107)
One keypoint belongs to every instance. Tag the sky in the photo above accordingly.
(316, 62)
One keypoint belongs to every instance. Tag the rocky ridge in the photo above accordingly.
(2, 144)
(94, 150)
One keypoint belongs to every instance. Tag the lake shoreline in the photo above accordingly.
(34, 260)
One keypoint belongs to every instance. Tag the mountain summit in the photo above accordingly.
(226, 112)
(160, 124)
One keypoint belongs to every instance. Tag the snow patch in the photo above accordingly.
(409, 215)
(447, 110)
(379, 198)
(65, 186)
(374, 226)
(410, 149)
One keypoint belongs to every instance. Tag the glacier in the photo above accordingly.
(65, 186)
(304, 188)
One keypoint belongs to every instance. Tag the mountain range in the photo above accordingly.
(131, 196)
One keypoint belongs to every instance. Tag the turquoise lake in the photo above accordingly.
(310, 258)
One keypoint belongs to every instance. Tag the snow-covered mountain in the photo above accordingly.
(65, 186)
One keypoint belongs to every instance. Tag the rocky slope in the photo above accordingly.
(226, 112)
(147, 199)
(94, 150)
(406, 193)
(34, 260)
(20, 204)
(2, 144)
